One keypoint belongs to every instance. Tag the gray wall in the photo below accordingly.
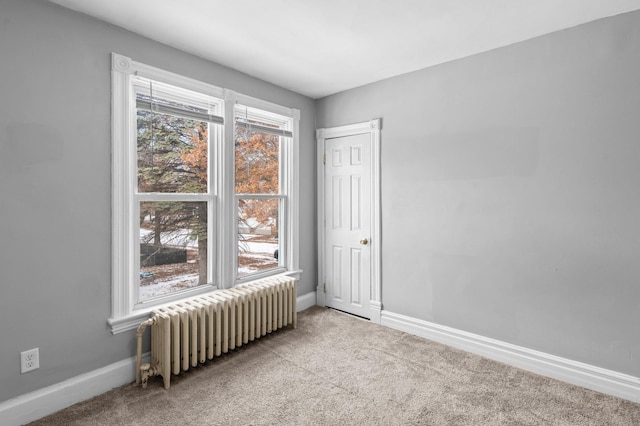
(55, 207)
(511, 191)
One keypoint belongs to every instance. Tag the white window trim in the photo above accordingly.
(125, 315)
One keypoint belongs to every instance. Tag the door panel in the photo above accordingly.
(348, 227)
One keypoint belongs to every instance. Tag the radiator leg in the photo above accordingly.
(144, 372)
(147, 371)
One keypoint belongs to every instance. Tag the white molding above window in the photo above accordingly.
(126, 314)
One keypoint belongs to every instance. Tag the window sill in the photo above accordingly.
(130, 322)
(139, 313)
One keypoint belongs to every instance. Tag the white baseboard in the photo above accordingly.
(574, 372)
(305, 301)
(45, 401)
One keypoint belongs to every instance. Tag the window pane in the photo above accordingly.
(172, 153)
(257, 162)
(173, 247)
(258, 242)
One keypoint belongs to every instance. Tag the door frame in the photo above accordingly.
(372, 128)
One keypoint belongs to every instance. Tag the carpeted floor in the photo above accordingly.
(335, 369)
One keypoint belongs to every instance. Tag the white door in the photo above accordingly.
(347, 202)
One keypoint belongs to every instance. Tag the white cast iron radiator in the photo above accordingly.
(195, 330)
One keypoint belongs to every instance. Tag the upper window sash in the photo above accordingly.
(171, 123)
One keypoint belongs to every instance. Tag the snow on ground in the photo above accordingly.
(249, 246)
(161, 287)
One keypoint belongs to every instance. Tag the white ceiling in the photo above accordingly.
(320, 47)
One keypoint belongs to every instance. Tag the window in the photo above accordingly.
(175, 137)
(260, 139)
(199, 173)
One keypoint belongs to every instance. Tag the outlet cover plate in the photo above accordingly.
(29, 360)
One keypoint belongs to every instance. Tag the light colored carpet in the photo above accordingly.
(335, 369)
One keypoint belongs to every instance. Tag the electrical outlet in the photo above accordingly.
(29, 360)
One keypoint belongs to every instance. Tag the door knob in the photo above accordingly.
(364, 241)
